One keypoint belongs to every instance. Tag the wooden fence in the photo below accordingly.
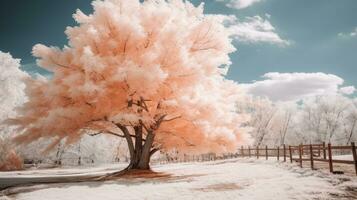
(300, 153)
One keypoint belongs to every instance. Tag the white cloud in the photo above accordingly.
(347, 90)
(296, 86)
(255, 30)
(351, 34)
(240, 4)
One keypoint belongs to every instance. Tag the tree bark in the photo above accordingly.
(138, 144)
(145, 156)
(139, 154)
(130, 144)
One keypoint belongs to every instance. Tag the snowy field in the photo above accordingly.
(228, 179)
(64, 171)
(343, 157)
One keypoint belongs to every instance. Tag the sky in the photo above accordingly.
(286, 49)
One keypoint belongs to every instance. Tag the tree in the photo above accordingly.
(12, 95)
(323, 117)
(350, 126)
(350, 122)
(151, 72)
(262, 112)
(282, 122)
(9, 158)
(316, 119)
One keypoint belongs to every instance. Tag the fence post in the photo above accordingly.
(300, 155)
(242, 152)
(266, 152)
(324, 149)
(284, 149)
(354, 155)
(311, 157)
(330, 157)
(290, 154)
(302, 149)
(257, 152)
(249, 151)
(278, 153)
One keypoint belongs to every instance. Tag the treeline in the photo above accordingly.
(325, 118)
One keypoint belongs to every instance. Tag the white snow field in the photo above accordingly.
(246, 179)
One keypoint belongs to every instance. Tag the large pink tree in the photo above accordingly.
(151, 72)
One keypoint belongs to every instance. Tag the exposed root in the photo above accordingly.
(129, 172)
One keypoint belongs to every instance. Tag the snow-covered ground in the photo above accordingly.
(228, 179)
(343, 157)
(14, 178)
(65, 171)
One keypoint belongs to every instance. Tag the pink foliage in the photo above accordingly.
(9, 159)
(12, 162)
(167, 53)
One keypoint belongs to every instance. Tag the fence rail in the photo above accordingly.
(303, 152)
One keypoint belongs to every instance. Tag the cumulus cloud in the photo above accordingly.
(240, 4)
(255, 30)
(296, 86)
(347, 90)
(351, 34)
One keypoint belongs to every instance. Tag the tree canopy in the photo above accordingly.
(152, 70)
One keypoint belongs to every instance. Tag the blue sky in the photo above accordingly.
(312, 26)
(313, 35)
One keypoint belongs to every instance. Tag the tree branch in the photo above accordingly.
(60, 65)
(112, 133)
(154, 151)
(167, 120)
(106, 132)
(143, 125)
(158, 122)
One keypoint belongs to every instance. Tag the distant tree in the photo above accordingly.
(11, 95)
(315, 119)
(262, 112)
(9, 158)
(282, 122)
(151, 72)
(350, 122)
(324, 117)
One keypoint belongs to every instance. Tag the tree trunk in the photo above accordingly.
(145, 155)
(352, 130)
(79, 153)
(139, 154)
(130, 144)
(138, 144)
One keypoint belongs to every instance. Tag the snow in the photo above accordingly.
(58, 172)
(15, 178)
(228, 179)
(343, 157)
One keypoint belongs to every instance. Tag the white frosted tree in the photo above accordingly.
(262, 112)
(316, 119)
(11, 95)
(322, 117)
